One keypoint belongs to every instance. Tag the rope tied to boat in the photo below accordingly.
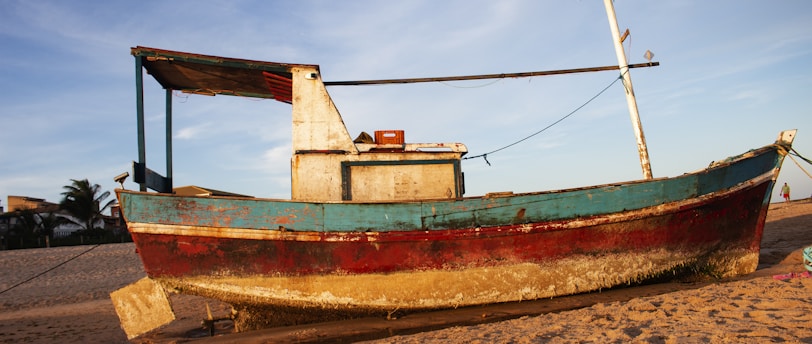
(781, 149)
(485, 155)
(795, 153)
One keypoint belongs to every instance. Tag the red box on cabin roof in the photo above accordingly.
(383, 137)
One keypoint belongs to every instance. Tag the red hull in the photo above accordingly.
(734, 221)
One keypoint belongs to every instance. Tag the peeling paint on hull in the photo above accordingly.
(711, 224)
(435, 289)
(330, 267)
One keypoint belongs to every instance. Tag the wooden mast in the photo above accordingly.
(627, 82)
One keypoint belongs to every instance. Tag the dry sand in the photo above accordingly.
(71, 304)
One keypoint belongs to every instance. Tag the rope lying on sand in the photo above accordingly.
(49, 270)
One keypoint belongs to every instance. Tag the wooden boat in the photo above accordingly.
(383, 226)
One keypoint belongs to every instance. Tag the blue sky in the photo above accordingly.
(733, 74)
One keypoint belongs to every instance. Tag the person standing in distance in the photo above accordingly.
(785, 192)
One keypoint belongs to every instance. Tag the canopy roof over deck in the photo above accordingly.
(212, 75)
(201, 74)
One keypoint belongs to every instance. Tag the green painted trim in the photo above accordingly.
(139, 106)
(169, 138)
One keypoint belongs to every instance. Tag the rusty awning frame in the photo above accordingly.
(200, 74)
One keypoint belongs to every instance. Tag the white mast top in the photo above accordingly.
(627, 82)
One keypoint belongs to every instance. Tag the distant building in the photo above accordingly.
(38, 206)
(114, 222)
(9, 219)
(24, 202)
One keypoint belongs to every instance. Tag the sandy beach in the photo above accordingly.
(71, 304)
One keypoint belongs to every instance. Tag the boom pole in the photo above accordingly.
(484, 76)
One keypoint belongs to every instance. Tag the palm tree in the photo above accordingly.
(34, 225)
(47, 223)
(82, 202)
(26, 226)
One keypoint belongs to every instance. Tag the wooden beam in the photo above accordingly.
(484, 76)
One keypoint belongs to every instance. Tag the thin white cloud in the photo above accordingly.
(193, 132)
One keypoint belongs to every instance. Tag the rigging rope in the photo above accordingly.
(49, 270)
(485, 155)
(795, 153)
